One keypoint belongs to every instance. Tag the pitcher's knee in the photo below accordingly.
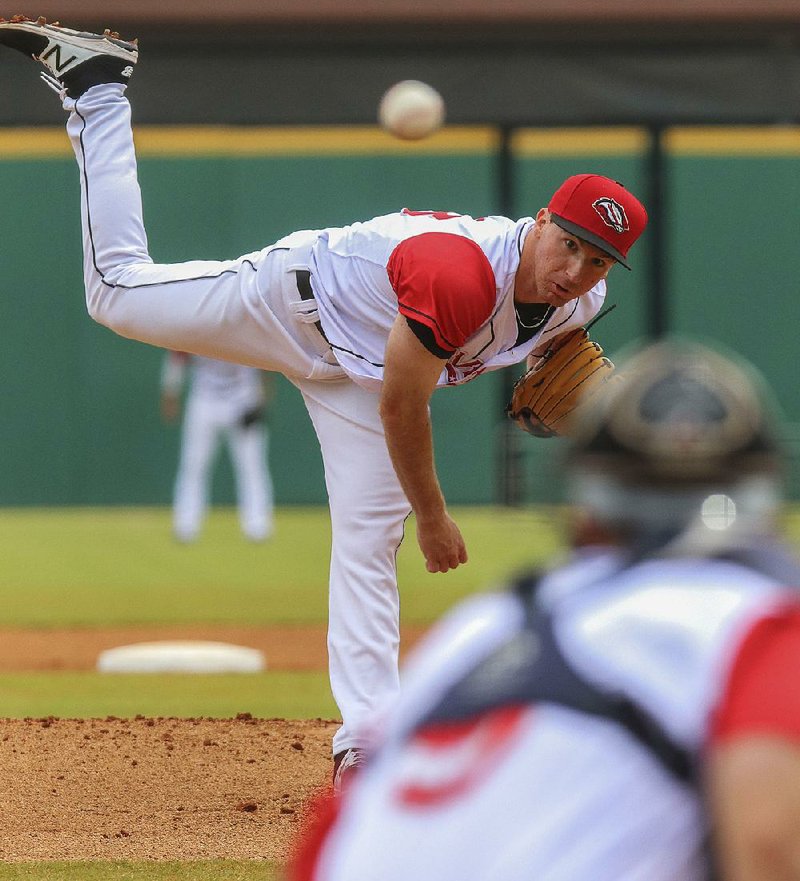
(95, 305)
(368, 535)
(116, 306)
(103, 307)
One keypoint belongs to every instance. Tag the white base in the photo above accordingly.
(182, 656)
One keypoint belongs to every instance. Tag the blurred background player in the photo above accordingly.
(224, 402)
(609, 718)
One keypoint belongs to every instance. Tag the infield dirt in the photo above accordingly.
(285, 647)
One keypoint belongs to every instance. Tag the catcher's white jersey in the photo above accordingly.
(541, 791)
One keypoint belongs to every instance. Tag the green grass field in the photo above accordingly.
(112, 567)
(90, 567)
(70, 695)
(116, 566)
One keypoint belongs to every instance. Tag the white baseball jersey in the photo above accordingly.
(518, 789)
(453, 273)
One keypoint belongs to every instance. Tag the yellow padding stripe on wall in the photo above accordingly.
(34, 143)
(734, 141)
(222, 141)
(233, 141)
(306, 141)
(580, 142)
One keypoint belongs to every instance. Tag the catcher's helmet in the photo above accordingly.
(682, 427)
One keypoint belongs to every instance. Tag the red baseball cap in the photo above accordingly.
(601, 211)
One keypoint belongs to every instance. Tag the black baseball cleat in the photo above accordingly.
(76, 60)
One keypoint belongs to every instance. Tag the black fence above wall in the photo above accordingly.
(315, 72)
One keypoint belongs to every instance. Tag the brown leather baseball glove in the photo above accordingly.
(545, 398)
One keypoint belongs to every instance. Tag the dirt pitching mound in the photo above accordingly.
(157, 789)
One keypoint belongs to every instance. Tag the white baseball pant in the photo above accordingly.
(208, 420)
(250, 311)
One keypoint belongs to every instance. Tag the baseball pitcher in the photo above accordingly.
(366, 320)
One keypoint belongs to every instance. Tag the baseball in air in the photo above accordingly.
(411, 110)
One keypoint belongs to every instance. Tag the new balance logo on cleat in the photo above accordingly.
(76, 59)
(52, 58)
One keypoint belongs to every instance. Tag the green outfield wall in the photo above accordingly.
(80, 406)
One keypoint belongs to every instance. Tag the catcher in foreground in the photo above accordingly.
(545, 398)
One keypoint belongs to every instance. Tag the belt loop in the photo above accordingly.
(303, 277)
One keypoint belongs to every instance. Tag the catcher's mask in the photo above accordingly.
(684, 436)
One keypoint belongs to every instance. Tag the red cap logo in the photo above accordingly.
(600, 211)
(612, 213)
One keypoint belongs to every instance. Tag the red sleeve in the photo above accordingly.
(444, 281)
(762, 695)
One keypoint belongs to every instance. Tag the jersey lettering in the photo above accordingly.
(459, 370)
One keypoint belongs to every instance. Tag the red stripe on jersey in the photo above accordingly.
(469, 751)
(444, 281)
(762, 695)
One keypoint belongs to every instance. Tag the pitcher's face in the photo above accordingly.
(557, 266)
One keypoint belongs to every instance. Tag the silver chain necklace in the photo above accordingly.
(536, 324)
